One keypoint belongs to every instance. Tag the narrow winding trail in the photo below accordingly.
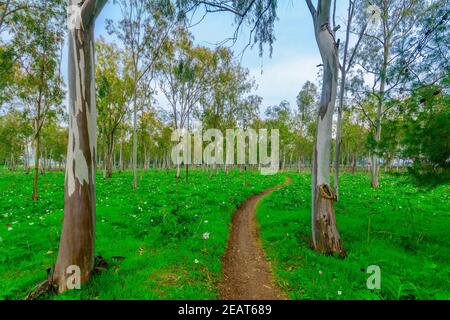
(247, 273)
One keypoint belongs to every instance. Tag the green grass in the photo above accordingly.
(402, 228)
(158, 229)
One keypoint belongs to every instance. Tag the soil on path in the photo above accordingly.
(246, 270)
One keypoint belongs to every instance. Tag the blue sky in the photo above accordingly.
(295, 55)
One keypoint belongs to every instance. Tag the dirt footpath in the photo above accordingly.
(247, 273)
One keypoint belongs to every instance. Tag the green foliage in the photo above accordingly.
(54, 142)
(204, 83)
(14, 130)
(306, 102)
(114, 84)
(37, 37)
(7, 70)
(258, 15)
(427, 127)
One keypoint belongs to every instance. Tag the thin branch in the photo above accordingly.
(90, 11)
(311, 7)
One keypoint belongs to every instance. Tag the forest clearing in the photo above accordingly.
(154, 241)
(225, 150)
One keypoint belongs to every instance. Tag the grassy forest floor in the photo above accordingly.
(402, 228)
(166, 240)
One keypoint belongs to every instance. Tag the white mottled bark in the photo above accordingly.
(325, 235)
(78, 234)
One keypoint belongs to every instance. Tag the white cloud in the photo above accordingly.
(282, 80)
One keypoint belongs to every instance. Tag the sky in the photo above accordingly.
(295, 54)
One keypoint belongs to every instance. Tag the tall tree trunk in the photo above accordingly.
(347, 63)
(121, 165)
(375, 164)
(337, 150)
(36, 164)
(135, 185)
(109, 158)
(76, 246)
(12, 164)
(382, 91)
(343, 68)
(114, 164)
(325, 235)
(26, 157)
(178, 172)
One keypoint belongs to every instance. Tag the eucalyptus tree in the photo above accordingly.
(248, 111)
(114, 81)
(37, 37)
(144, 26)
(325, 234)
(307, 104)
(186, 75)
(348, 62)
(304, 116)
(150, 129)
(15, 15)
(226, 105)
(76, 246)
(14, 130)
(354, 138)
(221, 105)
(54, 144)
(385, 57)
(280, 117)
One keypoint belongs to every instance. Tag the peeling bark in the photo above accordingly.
(327, 239)
(325, 236)
(78, 234)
